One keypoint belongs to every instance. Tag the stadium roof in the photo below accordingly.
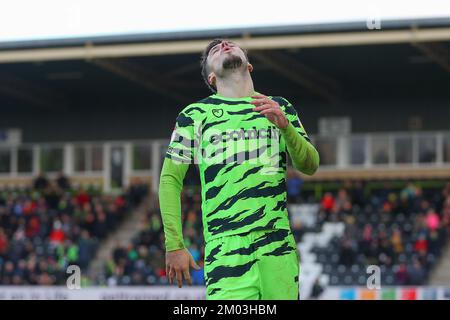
(403, 60)
(328, 34)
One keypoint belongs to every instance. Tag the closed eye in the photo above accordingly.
(214, 50)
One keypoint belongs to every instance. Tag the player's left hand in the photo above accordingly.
(271, 109)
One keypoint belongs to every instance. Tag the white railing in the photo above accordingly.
(107, 159)
(372, 150)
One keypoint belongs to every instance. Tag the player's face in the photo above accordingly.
(226, 56)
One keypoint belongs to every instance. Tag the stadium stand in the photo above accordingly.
(46, 227)
(401, 229)
(142, 261)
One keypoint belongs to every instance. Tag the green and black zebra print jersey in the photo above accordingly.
(242, 159)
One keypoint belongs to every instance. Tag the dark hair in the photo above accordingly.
(204, 64)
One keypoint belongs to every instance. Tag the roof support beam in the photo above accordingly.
(31, 93)
(299, 73)
(435, 52)
(91, 51)
(183, 70)
(135, 73)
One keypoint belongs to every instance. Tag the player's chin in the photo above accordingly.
(232, 62)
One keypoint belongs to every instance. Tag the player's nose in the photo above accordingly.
(225, 45)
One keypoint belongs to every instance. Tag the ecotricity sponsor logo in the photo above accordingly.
(244, 134)
(259, 146)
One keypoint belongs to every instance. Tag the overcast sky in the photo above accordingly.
(46, 19)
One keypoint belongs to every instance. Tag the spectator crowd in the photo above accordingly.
(401, 229)
(50, 225)
(142, 261)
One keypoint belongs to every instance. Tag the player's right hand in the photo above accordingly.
(177, 265)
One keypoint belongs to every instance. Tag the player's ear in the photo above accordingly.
(212, 79)
(249, 67)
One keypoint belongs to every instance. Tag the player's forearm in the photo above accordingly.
(305, 157)
(170, 186)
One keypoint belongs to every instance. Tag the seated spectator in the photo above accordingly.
(57, 235)
(327, 205)
(62, 181)
(33, 227)
(3, 244)
(432, 220)
(41, 182)
(52, 195)
(348, 252)
(7, 273)
(397, 242)
(83, 197)
(367, 239)
(434, 243)
(408, 197)
(294, 185)
(385, 251)
(137, 191)
(357, 194)
(416, 273)
(402, 276)
(86, 249)
(446, 213)
(421, 244)
(341, 199)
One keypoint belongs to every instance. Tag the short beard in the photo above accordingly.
(232, 62)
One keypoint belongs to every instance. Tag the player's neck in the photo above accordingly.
(236, 85)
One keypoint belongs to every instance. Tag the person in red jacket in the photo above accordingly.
(57, 235)
(3, 243)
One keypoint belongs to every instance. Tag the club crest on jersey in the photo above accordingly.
(217, 112)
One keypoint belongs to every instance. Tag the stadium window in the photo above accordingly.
(357, 150)
(447, 148)
(403, 149)
(380, 150)
(427, 149)
(80, 156)
(97, 158)
(51, 159)
(326, 146)
(5, 160)
(25, 160)
(142, 157)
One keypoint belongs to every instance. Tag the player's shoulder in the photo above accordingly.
(282, 101)
(201, 108)
(285, 105)
(195, 110)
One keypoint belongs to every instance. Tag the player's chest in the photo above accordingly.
(225, 125)
(224, 117)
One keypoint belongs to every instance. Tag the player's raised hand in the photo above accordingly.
(271, 109)
(177, 266)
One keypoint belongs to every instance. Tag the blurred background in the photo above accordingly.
(89, 94)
